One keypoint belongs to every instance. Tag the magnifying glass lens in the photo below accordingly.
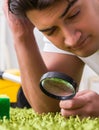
(58, 87)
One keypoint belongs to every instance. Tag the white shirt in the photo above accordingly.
(92, 61)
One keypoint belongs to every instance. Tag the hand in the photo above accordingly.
(84, 104)
(21, 27)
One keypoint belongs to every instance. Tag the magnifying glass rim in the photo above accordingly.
(62, 76)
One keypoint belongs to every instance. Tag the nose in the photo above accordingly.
(72, 37)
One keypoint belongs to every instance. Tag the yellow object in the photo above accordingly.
(10, 88)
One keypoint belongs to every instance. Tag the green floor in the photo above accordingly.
(27, 119)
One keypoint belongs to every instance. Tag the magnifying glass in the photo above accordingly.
(58, 85)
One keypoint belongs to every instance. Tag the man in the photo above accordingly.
(72, 26)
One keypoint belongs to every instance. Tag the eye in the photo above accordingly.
(51, 32)
(75, 14)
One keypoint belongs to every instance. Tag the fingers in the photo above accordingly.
(73, 107)
(80, 112)
(74, 103)
(5, 6)
(81, 99)
(82, 104)
(81, 93)
(68, 113)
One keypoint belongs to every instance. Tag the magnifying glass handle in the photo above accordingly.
(11, 77)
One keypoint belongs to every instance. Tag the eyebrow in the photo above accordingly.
(63, 14)
(68, 8)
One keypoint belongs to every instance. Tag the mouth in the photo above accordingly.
(81, 44)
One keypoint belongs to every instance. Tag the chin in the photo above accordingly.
(85, 54)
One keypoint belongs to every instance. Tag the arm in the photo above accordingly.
(32, 64)
(32, 71)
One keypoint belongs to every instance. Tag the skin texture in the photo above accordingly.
(77, 34)
(73, 34)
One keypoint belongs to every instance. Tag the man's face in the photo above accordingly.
(74, 28)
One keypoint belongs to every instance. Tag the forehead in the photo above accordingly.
(41, 17)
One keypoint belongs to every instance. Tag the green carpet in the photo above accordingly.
(27, 119)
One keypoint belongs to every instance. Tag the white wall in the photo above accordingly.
(7, 52)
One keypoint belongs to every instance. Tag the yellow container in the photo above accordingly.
(10, 88)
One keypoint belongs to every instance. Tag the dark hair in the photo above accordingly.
(20, 7)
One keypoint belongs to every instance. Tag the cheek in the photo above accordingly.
(90, 23)
(58, 41)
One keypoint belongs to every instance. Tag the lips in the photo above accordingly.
(81, 44)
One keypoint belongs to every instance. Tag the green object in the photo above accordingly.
(4, 107)
(27, 119)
